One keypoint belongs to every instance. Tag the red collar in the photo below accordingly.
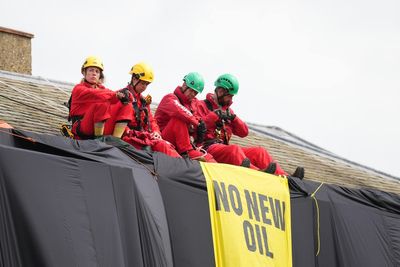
(182, 98)
(86, 84)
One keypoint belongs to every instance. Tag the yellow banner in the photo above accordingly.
(250, 216)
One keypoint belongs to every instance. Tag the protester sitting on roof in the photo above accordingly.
(143, 132)
(92, 105)
(175, 117)
(222, 122)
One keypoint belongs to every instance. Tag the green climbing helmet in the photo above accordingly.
(194, 81)
(228, 82)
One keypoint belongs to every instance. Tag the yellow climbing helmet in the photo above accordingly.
(143, 72)
(93, 61)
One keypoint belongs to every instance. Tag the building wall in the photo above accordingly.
(15, 51)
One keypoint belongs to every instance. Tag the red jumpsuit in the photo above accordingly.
(141, 129)
(218, 136)
(91, 105)
(175, 117)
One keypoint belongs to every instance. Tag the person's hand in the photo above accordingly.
(119, 95)
(123, 96)
(156, 136)
(148, 99)
(225, 115)
(201, 131)
(229, 115)
(220, 113)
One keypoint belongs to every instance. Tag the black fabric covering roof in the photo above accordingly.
(89, 203)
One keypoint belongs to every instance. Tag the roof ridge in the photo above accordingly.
(287, 133)
(37, 79)
(314, 148)
(48, 102)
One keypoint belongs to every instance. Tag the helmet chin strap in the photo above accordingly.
(134, 84)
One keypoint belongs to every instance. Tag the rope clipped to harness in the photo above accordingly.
(66, 130)
(200, 149)
(138, 112)
(220, 125)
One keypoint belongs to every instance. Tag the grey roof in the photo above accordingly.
(33, 103)
(37, 104)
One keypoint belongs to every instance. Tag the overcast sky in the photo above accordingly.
(327, 71)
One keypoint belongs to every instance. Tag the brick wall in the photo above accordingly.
(15, 51)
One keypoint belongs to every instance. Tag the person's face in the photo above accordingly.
(92, 75)
(189, 93)
(140, 86)
(225, 99)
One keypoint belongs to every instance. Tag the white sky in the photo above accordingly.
(327, 71)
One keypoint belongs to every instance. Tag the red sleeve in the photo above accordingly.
(173, 108)
(201, 109)
(238, 126)
(153, 122)
(209, 117)
(84, 94)
(210, 120)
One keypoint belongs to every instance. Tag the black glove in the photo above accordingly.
(201, 131)
(229, 115)
(219, 113)
(225, 115)
(125, 99)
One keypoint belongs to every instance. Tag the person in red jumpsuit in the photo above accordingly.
(142, 131)
(221, 123)
(95, 110)
(175, 117)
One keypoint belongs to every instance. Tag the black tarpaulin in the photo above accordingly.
(73, 212)
(184, 192)
(88, 203)
(356, 227)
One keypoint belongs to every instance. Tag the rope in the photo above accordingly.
(48, 102)
(202, 151)
(316, 204)
(140, 163)
(55, 86)
(17, 135)
(24, 104)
